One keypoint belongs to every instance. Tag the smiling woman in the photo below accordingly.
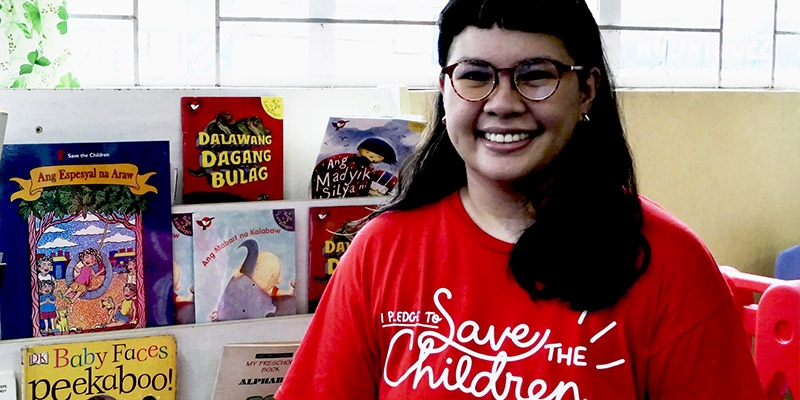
(517, 251)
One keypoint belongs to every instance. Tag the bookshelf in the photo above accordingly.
(52, 116)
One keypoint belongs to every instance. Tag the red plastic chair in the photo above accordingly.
(774, 323)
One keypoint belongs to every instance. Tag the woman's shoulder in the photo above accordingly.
(415, 218)
(662, 226)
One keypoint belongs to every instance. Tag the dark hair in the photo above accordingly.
(43, 260)
(586, 246)
(131, 286)
(380, 148)
(46, 282)
(90, 251)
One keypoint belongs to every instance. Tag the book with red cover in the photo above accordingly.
(232, 149)
(330, 233)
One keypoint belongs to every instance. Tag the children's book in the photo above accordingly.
(252, 371)
(86, 238)
(183, 267)
(120, 369)
(362, 156)
(232, 149)
(244, 263)
(330, 231)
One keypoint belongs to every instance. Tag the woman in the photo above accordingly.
(517, 260)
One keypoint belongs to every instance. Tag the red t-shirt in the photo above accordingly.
(423, 306)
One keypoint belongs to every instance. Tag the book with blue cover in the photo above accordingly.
(362, 156)
(244, 263)
(86, 237)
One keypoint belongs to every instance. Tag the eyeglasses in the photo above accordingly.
(535, 79)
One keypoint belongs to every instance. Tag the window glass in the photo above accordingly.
(264, 54)
(176, 43)
(663, 59)
(102, 52)
(787, 61)
(264, 8)
(405, 10)
(375, 54)
(101, 7)
(660, 13)
(747, 43)
(789, 15)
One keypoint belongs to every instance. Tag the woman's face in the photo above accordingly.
(537, 130)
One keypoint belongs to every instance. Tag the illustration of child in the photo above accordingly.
(47, 306)
(45, 266)
(132, 271)
(359, 168)
(83, 273)
(126, 311)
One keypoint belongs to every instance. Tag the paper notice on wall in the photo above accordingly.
(8, 385)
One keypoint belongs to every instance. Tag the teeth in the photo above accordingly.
(507, 138)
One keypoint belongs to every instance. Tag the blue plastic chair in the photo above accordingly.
(787, 265)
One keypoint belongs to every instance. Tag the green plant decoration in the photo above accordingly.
(34, 32)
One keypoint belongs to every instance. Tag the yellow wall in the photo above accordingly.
(725, 162)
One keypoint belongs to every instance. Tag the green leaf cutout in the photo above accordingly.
(32, 14)
(42, 61)
(32, 56)
(25, 30)
(68, 81)
(25, 69)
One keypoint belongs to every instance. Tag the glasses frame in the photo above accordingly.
(560, 67)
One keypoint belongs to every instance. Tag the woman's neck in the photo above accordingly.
(500, 212)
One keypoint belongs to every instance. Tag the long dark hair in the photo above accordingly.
(586, 246)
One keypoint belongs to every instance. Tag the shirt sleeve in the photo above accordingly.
(338, 356)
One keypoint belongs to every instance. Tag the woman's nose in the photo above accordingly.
(505, 99)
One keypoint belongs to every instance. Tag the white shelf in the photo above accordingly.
(54, 116)
(199, 347)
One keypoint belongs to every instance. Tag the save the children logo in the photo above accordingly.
(440, 333)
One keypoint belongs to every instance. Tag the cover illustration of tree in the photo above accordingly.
(86, 239)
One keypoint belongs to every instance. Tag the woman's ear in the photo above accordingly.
(441, 83)
(590, 89)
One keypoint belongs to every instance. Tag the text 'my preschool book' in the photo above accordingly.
(244, 263)
(330, 231)
(252, 371)
(86, 238)
(121, 369)
(361, 156)
(232, 149)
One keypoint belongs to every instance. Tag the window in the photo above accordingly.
(650, 43)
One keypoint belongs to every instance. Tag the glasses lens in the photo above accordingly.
(537, 79)
(473, 80)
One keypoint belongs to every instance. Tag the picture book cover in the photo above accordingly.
(232, 149)
(252, 371)
(361, 156)
(120, 369)
(85, 238)
(244, 263)
(330, 231)
(183, 267)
